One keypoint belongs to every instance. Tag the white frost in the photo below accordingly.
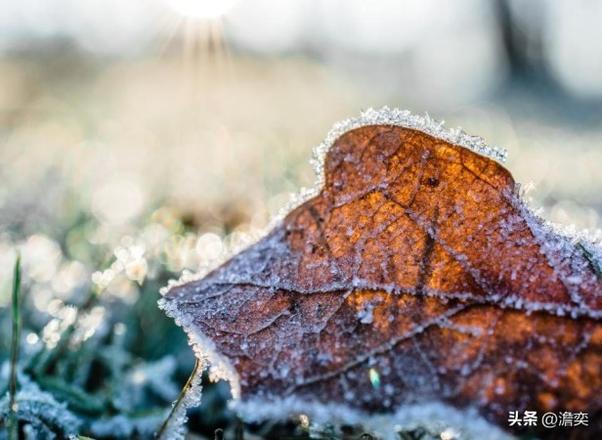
(436, 417)
(395, 117)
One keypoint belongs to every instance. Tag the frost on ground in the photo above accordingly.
(412, 281)
(44, 416)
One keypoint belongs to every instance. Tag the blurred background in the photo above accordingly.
(140, 138)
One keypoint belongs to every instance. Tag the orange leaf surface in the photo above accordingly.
(416, 274)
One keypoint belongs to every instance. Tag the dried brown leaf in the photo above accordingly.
(417, 274)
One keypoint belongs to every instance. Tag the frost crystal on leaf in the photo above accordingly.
(413, 279)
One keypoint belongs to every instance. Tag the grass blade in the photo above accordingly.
(13, 427)
(176, 406)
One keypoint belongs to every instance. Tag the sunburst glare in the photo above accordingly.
(195, 31)
(202, 9)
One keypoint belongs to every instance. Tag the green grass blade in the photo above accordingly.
(14, 352)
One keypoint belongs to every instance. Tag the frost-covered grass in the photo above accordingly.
(95, 355)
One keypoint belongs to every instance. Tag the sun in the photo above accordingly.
(201, 9)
